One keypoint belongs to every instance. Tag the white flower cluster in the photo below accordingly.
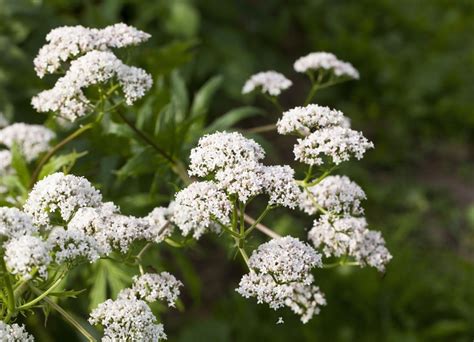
(197, 208)
(350, 236)
(129, 317)
(234, 162)
(338, 143)
(14, 333)
(336, 194)
(281, 276)
(60, 194)
(326, 61)
(326, 132)
(15, 223)
(26, 253)
(152, 287)
(70, 41)
(67, 96)
(303, 120)
(31, 139)
(269, 82)
(221, 150)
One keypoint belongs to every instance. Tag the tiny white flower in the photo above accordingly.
(269, 82)
(337, 143)
(197, 208)
(325, 61)
(14, 333)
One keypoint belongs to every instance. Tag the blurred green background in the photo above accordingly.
(414, 100)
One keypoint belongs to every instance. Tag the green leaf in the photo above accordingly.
(179, 96)
(59, 162)
(67, 293)
(20, 165)
(143, 161)
(204, 95)
(232, 117)
(172, 55)
(98, 293)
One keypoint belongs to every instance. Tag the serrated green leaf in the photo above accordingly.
(230, 118)
(20, 165)
(67, 293)
(58, 162)
(204, 95)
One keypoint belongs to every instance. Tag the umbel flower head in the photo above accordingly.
(268, 82)
(350, 236)
(304, 120)
(15, 223)
(325, 61)
(70, 41)
(220, 150)
(152, 287)
(14, 333)
(96, 67)
(337, 143)
(336, 194)
(281, 276)
(31, 139)
(199, 208)
(61, 194)
(26, 253)
(127, 319)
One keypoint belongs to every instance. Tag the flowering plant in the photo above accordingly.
(53, 222)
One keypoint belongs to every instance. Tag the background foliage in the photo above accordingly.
(414, 100)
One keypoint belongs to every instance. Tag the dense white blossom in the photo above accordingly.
(152, 287)
(270, 82)
(95, 67)
(304, 120)
(350, 236)
(197, 206)
(336, 194)
(221, 149)
(60, 194)
(110, 229)
(325, 61)
(72, 244)
(70, 41)
(159, 221)
(31, 139)
(26, 253)
(338, 143)
(302, 299)
(244, 180)
(15, 223)
(287, 259)
(127, 319)
(280, 185)
(14, 333)
(280, 276)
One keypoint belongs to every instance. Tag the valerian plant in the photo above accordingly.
(53, 221)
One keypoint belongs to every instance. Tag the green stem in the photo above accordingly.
(66, 315)
(244, 256)
(257, 221)
(44, 294)
(314, 88)
(56, 148)
(145, 138)
(11, 295)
